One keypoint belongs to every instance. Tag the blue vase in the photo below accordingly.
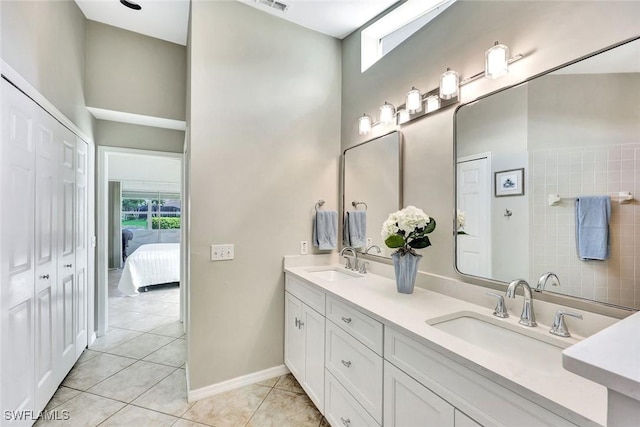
(406, 267)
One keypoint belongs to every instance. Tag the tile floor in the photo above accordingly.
(135, 376)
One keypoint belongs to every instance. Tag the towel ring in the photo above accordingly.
(319, 204)
(355, 204)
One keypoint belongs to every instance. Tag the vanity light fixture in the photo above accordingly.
(414, 100)
(496, 63)
(364, 124)
(387, 113)
(449, 84)
(433, 103)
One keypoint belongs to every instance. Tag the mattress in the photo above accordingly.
(150, 265)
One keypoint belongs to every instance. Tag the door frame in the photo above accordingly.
(471, 158)
(102, 212)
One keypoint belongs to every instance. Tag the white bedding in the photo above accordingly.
(150, 265)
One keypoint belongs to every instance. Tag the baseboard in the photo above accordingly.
(92, 339)
(234, 383)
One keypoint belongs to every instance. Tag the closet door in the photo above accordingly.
(17, 274)
(66, 253)
(80, 300)
(46, 190)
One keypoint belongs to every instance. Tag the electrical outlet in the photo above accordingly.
(304, 247)
(369, 241)
(222, 252)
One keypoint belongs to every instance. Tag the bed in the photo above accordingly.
(148, 265)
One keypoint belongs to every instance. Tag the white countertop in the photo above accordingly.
(560, 391)
(611, 357)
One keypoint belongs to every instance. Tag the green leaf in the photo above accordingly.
(394, 241)
(431, 225)
(420, 243)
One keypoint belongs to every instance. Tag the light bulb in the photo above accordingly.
(449, 84)
(387, 113)
(364, 124)
(414, 100)
(496, 63)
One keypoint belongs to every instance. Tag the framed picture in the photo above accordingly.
(509, 183)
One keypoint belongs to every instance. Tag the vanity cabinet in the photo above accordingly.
(304, 338)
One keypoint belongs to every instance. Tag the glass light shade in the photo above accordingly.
(496, 61)
(403, 116)
(364, 124)
(433, 103)
(414, 100)
(449, 84)
(387, 113)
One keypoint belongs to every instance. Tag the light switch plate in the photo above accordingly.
(222, 252)
(304, 247)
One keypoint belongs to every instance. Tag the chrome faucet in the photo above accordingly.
(355, 258)
(528, 317)
(366, 251)
(543, 281)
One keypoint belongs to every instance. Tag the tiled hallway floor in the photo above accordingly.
(135, 376)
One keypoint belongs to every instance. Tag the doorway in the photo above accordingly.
(473, 248)
(139, 196)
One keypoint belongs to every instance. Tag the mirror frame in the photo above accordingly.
(598, 307)
(400, 183)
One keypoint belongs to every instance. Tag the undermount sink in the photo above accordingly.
(513, 342)
(332, 274)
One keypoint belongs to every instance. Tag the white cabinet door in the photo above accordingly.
(312, 327)
(17, 253)
(80, 300)
(46, 205)
(293, 338)
(408, 403)
(66, 253)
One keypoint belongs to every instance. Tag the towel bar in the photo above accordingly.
(355, 204)
(623, 197)
(319, 204)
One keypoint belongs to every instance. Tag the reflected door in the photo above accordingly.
(474, 199)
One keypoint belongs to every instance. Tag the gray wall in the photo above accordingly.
(265, 146)
(550, 33)
(134, 73)
(44, 41)
(125, 135)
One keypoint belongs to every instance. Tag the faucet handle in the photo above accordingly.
(363, 267)
(559, 326)
(500, 310)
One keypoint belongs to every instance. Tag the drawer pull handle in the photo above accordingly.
(346, 422)
(68, 265)
(44, 276)
(346, 319)
(346, 363)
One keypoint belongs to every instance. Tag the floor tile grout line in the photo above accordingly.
(258, 408)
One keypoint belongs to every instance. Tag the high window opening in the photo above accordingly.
(391, 30)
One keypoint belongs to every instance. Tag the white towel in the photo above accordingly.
(355, 229)
(325, 230)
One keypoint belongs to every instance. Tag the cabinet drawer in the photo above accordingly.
(487, 402)
(365, 329)
(357, 368)
(306, 293)
(341, 409)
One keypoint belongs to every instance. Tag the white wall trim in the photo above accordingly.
(137, 119)
(33, 93)
(210, 390)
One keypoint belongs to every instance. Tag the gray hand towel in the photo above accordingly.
(355, 229)
(592, 227)
(325, 230)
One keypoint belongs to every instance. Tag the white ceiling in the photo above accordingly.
(169, 19)
(163, 19)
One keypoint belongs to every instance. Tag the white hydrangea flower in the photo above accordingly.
(411, 218)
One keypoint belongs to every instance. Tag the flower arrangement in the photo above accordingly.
(407, 230)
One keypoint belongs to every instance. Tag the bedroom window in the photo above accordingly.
(152, 217)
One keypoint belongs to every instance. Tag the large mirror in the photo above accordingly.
(526, 153)
(372, 182)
